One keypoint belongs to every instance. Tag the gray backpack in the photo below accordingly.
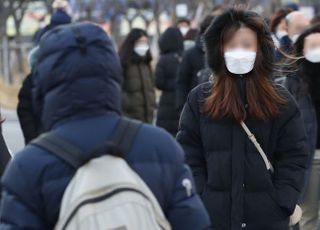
(105, 193)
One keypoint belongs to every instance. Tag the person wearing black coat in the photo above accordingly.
(297, 22)
(29, 122)
(138, 93)
(193, 62)
(171, 47)
(231, 176)
(304, 85)
(297, 86)
(4, 153)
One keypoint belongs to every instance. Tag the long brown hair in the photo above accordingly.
(263, 98)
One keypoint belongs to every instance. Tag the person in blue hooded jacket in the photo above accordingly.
(58, 18)
(77, 93)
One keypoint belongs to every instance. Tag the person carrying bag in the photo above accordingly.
(296, 216)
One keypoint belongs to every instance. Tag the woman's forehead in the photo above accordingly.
(243, 33)
(142, 39)
(313, 37)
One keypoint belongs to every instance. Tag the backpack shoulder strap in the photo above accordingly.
(122, 138)
(61, 148)
(125, 133)
(257, 145)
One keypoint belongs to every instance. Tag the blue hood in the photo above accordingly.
(78, 75)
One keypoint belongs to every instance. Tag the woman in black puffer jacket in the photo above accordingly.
(230, 174)
(171, 47)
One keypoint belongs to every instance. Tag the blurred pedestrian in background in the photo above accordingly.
(297, 22)
(192, 62)
(278, 26)
(190, 39)
(138, 81)
(30, 122)
(304, 85)
(189, 34)
(60, 16)
(184, 26)
(171, 48)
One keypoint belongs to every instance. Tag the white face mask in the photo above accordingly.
(240, 61)
(281, 33)
(141, 49)
(313, 55)
(295, 38)
(184, 30)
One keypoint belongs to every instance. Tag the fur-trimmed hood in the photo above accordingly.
(213, 35)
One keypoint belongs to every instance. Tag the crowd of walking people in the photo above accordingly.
(232, 143)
